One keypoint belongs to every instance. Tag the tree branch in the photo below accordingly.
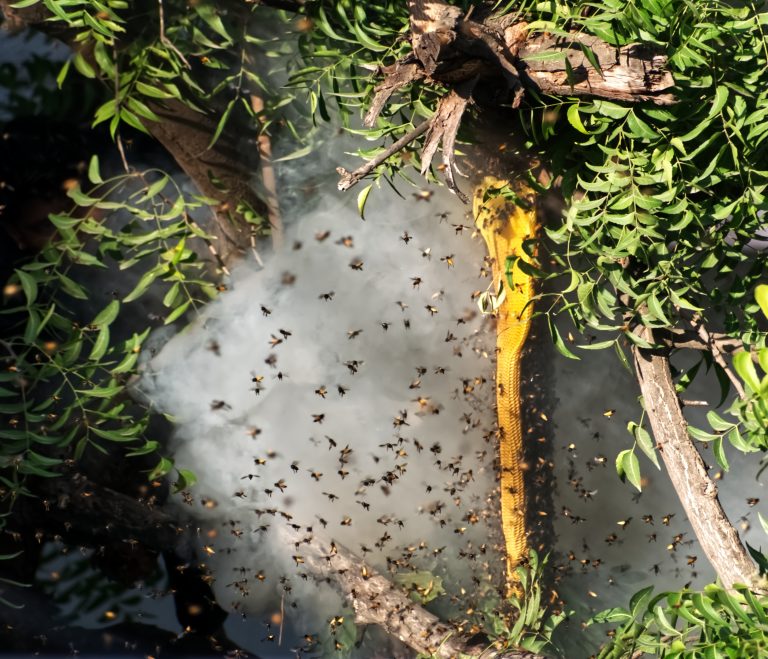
(348, 179)
(378, 601)
(698, 494)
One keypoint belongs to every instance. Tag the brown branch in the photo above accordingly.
(689, 339)
(443, 128)
(377, 601)
(698, 494)
(717, 355)
(93, 513)
(348, 179)
(631, 73)
(268, 178)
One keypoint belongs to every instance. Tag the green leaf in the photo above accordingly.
(176, 313)
(721, 96)
(100, 345)
(742, 362)
(631, 467)
(149, 447)
(143, 284)
(575, 120)
(644, 441)
(717, 449)
(186, 480)
(107, 315)
(558, 340)
(222, 123)
(161, 469)
(701, 435)
(29, 285)
(761, 296)
(93, 170)
(362, 197)
(763, 522)
(718, 423)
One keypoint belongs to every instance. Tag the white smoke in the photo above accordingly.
(344, 390)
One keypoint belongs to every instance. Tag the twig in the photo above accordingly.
(165, 40)
(717, 355)
(348, 179)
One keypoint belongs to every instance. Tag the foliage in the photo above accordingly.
(64, 378)
(713, 623)
(530, 623)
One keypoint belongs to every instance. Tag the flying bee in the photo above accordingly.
(609, 413)
(384, 326)
(220, 405)
(353, 334)
(426, 253)
(214, 347)
(357, 264)
(295, 466)
(285, 333)
(331, 496)
(331, 442)
(318, 418)
(321, 391)
(416, 281)
(281, 485)
(407, 323)
(274, 341)
(431, 310)
(443, 215)
(265, 310)
(341, 390)
(406, 237)
(250, 477)
(316, 475)
(327, 297)
(459, 228)
(448, 260)
(667, 519)
(320, 236)
(345, 241)
(353, 365)
(423, 195)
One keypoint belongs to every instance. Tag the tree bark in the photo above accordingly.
(376, 600)
(697, 492)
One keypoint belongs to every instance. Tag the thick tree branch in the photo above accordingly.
(376, 600)
(698, 494)
(218, 172)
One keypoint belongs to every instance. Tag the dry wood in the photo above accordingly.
(377, 601)
(348, 179)
(631, 73)
(443, 128)
(697, 492)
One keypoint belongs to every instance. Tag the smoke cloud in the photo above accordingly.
(346, 389)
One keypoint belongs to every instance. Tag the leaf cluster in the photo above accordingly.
(713, 622)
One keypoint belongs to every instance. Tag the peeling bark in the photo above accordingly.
(698, 494)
